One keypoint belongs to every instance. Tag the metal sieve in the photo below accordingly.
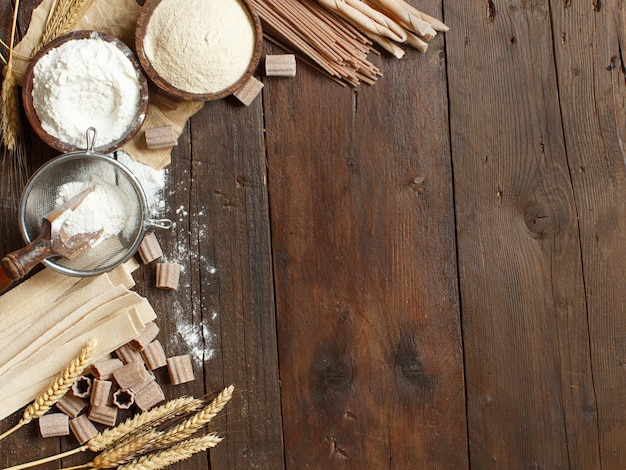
(42, 191)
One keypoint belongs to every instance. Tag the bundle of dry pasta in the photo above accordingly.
(388, 22)
(335, 36)
(319, 38)
(47, 318)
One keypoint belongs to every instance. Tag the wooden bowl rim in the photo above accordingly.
(27, 92)
(142, 22)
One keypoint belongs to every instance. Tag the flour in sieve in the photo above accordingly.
(106, 208)
(86, 83)
(200, 46)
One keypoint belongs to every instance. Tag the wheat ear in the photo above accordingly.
(59, 387)
(10, 103)
(125, 451)
(174, 454)
(10, 109)
(193, 424)
(57, 10)
(152, 417)
(72, 16)
(62, 18)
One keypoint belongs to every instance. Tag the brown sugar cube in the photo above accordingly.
(149, 332)
(161, 137)
(154, 355)
(180, 369)
(149, 249)
(82, 428)
(82, 387)
(54, 424)
(131, 374)
(128, 354)
(149, 396)
(249, 91)
(283, 65)
(72, 405)
(167, 275)
(123, 399)
(106, 414)
(100, 392)
(103, 370)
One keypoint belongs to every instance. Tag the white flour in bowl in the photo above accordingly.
(86, 83)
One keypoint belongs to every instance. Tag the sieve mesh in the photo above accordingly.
(40, 197)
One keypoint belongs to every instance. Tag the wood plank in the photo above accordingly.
(530, 387)
(364, 254)
(230, 194)
(590, 63)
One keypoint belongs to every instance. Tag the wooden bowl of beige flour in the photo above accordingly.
(198, 50)
(85, 79)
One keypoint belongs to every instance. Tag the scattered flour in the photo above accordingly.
(196, 337)
(86, 83)
(152, 181)
(200, 46)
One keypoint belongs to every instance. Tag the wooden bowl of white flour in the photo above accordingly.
(198, 50)
(85, 79)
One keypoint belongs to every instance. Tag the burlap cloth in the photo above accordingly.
(117, 18)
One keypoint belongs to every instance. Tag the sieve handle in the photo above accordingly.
(18, 264)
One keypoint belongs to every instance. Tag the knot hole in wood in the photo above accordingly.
(539, 220)
(409, 364)
(334, 375)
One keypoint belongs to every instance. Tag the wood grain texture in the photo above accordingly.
(368, 325)
(531, 364)
(424, 273)
(592, 92)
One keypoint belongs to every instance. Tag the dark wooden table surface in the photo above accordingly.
(423, 273)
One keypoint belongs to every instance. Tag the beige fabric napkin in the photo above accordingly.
(117, 18)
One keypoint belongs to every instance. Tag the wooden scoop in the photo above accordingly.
(53, 240)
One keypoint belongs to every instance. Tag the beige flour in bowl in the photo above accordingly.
(200, 46)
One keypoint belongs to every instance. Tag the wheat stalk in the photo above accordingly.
(9, 113)
(62, 18)
(57, 10)
(153, 417)
(15, 164)
(174, 454)
(112, 436)
(153, 440)
(125, 451)
(59, 387)
(191, 425)
(138, 441)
